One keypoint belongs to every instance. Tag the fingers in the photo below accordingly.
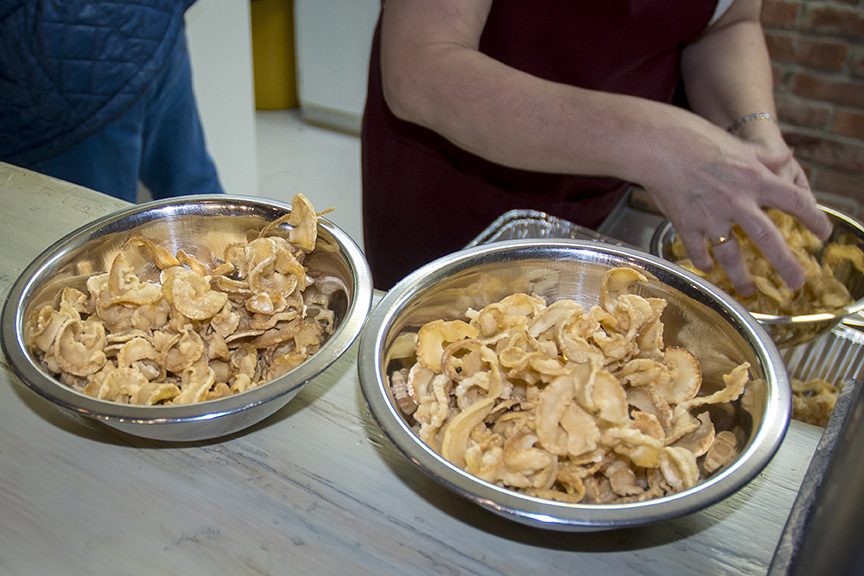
(788, 191)
(729, 193)
(805, 209)
(729, 256)
(697, 234)
(696, 248)
(799, 178)
(791, 194)
(768, 238)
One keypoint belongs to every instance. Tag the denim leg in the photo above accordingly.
(174, 156)
(159, 141)
(107, 161)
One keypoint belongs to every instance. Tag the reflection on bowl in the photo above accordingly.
(711, 325)
(202, 226)
(787, 331)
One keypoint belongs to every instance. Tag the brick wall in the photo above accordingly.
(817, 52)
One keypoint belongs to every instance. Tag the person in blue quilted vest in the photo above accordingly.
(99, 93)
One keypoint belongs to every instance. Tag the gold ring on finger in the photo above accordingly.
(719, 240)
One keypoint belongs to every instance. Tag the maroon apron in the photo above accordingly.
(424, 197)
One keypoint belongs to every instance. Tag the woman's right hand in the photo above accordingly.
(707, 195)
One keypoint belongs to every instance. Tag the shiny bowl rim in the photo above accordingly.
(43, 383)
(540, 512)
(857, 306)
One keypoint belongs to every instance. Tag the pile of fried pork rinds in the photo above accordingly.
(199, 333)
(822, 291)
(813, 400)
(564, 403)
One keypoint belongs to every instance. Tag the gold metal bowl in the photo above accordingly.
(788, 331)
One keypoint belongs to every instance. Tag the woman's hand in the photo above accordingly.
(733, 186)
(727, 74)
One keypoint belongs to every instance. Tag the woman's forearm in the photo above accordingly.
(727, 74)
(435, 77)
(703, 178)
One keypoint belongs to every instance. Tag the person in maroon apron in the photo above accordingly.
(478, 107)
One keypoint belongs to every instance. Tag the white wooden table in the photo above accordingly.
(314, 489)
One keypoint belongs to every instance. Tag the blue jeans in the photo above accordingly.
(158, 141)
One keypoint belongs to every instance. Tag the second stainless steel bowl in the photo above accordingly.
(708, 323)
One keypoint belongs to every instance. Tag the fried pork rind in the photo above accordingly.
(202, 332)
(813, 400)
(564, 403)
(822, 290)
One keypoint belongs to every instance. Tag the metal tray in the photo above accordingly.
(517, 224)
(835, 357)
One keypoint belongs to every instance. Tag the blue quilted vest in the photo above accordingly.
(69, 67)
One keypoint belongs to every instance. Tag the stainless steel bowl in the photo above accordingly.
(710, 324)
(787, 331)
(201, 226)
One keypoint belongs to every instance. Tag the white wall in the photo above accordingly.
(333, 38)
(220, 50)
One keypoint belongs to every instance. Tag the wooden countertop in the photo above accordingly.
(314, 489)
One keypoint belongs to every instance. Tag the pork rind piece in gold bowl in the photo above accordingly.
(835, 277)
(572, 385)
(190, 318)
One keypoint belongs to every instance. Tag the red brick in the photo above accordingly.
(858, 68)
(833, 20)
(822, 53)
(779, 14)
(826, 150)
(801, 112)
(778, 74)
(829, 89)
(849, 123)
(780, 47)
(849, 184)
(807, 51)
